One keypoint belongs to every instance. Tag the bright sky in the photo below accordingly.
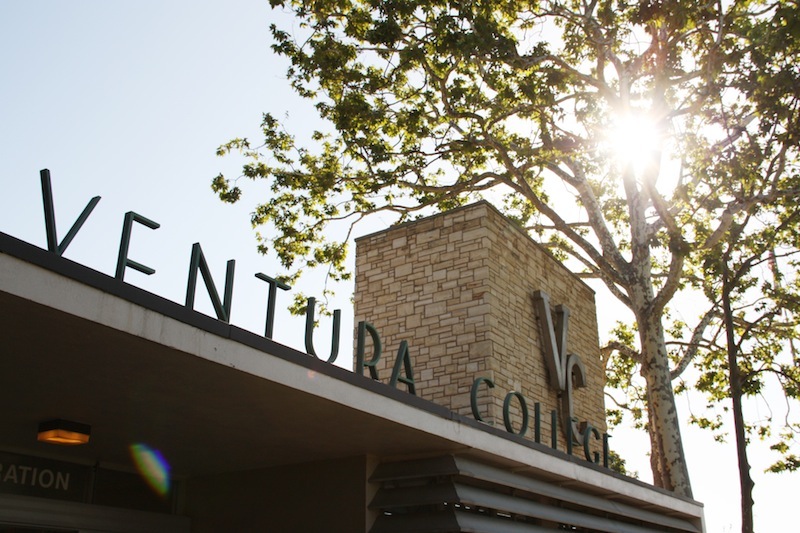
(129, 100)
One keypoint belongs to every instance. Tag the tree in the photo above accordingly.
(754, 337)
(748, 272)
(751, 274)
(434, 103)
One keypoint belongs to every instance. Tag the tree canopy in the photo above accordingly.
(629, 137)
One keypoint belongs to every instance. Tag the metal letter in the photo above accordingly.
(576, 373)
(50, 216)
(554, 338)
(570, 435)
(473, 396)
(274, 285)
(507, 414)
(198, 261)
(566, 370)
(122, 258)
(337, 319)
(590, 430)
(403, 362)
(363, 328)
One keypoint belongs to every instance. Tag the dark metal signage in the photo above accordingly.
(403, 370)
(566, 370)
(33, 476)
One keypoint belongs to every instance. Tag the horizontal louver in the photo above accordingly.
(454, 494)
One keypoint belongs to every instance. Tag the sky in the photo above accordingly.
(129, 101)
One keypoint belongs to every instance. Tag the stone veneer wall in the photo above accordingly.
(458, 287)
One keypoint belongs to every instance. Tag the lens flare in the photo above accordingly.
(633, 140)
(152, 467)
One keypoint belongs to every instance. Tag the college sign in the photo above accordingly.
(566, 372)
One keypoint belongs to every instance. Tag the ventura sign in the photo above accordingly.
(403, 368)
(566, 370)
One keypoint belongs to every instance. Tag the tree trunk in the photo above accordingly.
(667, 457)
(746, 483)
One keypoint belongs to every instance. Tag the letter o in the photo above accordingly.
(46, 484)
(507, 415)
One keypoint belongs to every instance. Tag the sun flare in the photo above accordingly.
(634, 140)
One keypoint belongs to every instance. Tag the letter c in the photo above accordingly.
(473, 396)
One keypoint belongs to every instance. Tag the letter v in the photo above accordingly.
(554, 339)
(50, 217)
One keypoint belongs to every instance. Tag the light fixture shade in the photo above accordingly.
(64, 432)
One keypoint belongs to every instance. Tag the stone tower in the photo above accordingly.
(460, 288)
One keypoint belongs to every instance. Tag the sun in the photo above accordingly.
(634, 141)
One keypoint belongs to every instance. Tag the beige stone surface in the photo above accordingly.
(459, 288)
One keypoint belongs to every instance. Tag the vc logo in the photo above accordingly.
(566, 370)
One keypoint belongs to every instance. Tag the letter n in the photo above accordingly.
(198, 261)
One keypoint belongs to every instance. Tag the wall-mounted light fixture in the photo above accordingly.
(64, 432)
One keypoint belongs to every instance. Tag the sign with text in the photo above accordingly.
(44, 478)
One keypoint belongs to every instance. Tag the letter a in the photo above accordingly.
(403, 363)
